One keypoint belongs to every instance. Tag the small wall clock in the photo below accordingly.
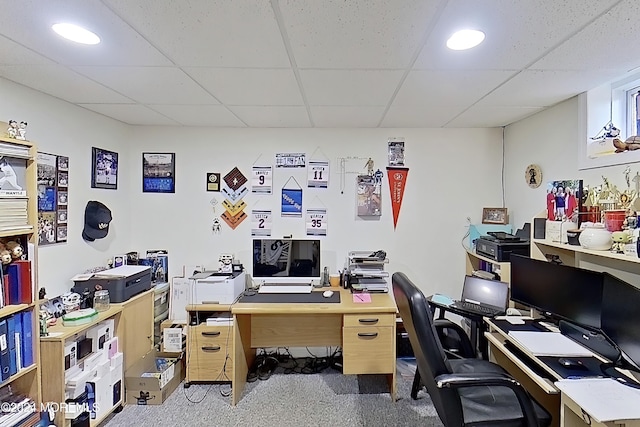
(533, 176)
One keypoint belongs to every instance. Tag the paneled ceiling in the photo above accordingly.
(318, 63)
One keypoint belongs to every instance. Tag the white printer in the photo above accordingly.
(211, 287)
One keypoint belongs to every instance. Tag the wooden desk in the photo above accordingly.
(366, 333)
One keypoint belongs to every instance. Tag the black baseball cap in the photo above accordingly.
(96, 221)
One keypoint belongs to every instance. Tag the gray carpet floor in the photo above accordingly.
(324, 399)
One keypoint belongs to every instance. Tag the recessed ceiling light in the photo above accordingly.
(465, 39)
(76, 33)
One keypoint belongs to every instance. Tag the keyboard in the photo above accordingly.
(476, 308)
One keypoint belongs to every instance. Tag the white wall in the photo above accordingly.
(58, 127)
(550, 139)
(453, 174)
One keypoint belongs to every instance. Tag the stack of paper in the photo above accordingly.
(604, 399)
(220, 319)
(549, 344)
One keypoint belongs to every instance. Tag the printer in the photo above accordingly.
(500, 245)
(122, 282)
(211, 287)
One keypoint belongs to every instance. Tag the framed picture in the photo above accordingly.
(104, 172)
(494, 216)
(158, 173)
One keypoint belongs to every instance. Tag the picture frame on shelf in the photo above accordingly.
(158, 173)
(104, 169)
(495, 216)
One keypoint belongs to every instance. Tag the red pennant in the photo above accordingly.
(397, 180)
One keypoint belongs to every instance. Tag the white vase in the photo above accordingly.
(595, 238)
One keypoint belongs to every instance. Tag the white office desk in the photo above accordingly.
(567, 407)
(598, 402)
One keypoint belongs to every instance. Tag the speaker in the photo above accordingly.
(539, 225)
(592, 340)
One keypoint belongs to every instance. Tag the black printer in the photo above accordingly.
(499, 246)
(121, 282)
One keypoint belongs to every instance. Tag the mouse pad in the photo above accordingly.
(591, 364)
(312, 297)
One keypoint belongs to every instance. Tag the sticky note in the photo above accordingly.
(361, 298)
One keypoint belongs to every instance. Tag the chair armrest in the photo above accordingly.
(456, 381)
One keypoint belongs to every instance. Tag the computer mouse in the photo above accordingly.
(327, 294)
(571, 363)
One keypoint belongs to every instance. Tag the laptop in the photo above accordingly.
(484, 297)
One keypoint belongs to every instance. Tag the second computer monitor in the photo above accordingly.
(559, 291)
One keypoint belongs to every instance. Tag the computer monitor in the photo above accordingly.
(620, 304)
(557, 291)
(286, 260)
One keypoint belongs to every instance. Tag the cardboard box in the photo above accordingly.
(145, 384)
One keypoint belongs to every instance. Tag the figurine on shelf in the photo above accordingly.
(225, 263)
(22, 131)
(12, 131)
(369, 166)
(620, 239)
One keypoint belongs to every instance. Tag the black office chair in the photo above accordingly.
(455, 342)
(465, 392)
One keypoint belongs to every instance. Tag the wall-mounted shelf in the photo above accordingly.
(581, 250)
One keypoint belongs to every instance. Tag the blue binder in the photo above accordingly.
(5, 360)
(14, 285)
(11, 331)
(26, 346)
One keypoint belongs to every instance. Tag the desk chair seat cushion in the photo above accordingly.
(480, 404)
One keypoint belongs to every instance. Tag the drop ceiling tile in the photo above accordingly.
(272, 116)
(245, 86)
(16, 54)
(537, 88)
(199, 115)
(450, 87)
(356, 33)
(605, 44)
(62, 83)
(346, 117)
(483, 116)
(517, 32)
(150, 85)
(133, 114)
(419, 116)
(350, 87)
(212, 33)
(30, 24)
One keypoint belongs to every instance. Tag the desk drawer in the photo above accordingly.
(368, 350)
(373, 319)
(208, 347)
(211, 335)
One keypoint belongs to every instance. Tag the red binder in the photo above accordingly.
(25, 289)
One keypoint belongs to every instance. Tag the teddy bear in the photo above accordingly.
(5, 254)
(620, 239)
(15, 249)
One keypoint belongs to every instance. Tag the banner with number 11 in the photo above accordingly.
(318, 174)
